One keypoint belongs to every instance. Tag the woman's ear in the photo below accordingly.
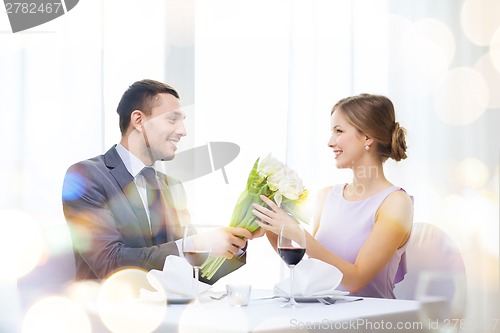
(368, 141)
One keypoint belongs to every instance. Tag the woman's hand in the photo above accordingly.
(271, 219)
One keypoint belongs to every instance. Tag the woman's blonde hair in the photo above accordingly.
(374, 116)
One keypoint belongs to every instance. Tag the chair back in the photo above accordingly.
(435, 269)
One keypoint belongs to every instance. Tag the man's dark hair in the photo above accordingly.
(141, 95)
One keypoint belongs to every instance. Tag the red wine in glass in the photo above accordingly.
(291, 247)
(291, 256)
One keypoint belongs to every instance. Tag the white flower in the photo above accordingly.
(280, 179)
(269, 166)
(291, 185)
(274, 180)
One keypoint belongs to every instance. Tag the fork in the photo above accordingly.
(218, 298)
(325, 302)
(268, 297)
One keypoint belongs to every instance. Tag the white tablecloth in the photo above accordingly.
(366, 315)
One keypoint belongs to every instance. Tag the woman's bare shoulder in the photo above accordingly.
(398, 206)
(399, 197)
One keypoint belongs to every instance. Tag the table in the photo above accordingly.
(367, 315)
(266, 315)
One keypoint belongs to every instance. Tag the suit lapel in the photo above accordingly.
(126, 183)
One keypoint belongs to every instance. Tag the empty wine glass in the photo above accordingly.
(291, 247)
(196, 246)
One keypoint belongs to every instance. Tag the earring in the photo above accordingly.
(367, 147)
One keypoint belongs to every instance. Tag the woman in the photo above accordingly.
(361, 228)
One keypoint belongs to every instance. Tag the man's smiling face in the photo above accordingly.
(164, 127)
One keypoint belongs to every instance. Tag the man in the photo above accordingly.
(107, 201)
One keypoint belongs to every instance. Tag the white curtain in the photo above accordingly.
(264, 75)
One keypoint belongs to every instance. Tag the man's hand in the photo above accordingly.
(227, 241)
(258, 233)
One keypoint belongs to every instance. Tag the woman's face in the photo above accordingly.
(347, 143)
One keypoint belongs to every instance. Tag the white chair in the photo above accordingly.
(436, 275)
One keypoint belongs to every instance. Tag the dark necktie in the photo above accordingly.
(155, 205)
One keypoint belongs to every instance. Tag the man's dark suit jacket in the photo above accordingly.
(108, 224)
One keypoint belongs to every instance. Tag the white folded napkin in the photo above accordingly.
(312, 277)
(175, 281)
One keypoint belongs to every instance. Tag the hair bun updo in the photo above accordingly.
(398, 145)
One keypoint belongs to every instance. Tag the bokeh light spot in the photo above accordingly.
(420, 52)
(438, 34)
(480, 19)
(73, 187)
(56, 314)
(487, 208)
(121, 308)
(462, 98)
(472, 172)
(495, 50)
(454, 212)
(58, 239)
(492, 77)
(83, 292)
(18, 258)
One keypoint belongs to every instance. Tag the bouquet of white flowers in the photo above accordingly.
(274, 180)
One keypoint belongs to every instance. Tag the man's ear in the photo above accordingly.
(137, 119)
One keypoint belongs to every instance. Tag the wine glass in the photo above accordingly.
(196, 246)
(291, 247)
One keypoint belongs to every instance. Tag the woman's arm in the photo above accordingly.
(320, 200)
(390, 232)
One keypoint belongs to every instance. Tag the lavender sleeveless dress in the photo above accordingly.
(345, 226)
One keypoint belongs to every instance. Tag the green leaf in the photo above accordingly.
(254, 175)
